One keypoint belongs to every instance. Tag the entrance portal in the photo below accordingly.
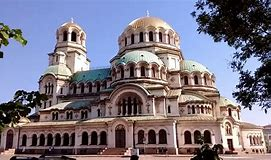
(120, 136)
(230, 144)
(9, 140)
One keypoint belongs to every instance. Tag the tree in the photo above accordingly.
(6, 33)
(246, 26)
(19, 106)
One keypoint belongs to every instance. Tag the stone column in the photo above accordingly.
(156, 36)
(145, 37)
(136, 38)
(157, 138)
(98, 139)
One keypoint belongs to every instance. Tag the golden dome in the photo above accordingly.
(144, 22)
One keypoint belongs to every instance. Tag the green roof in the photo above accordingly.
(91, 75)
(192, 66)
(138, 56)
(226, 102)
(60, 69)
(80, 104)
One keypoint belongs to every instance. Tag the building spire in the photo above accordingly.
(147, 13)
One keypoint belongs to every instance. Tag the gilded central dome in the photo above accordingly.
(143, 22)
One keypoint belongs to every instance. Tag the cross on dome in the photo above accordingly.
(147, 13)
(71, 20)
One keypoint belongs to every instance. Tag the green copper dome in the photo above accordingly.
(192, 66)
(226, 102)
(60, 69)
(138, 56)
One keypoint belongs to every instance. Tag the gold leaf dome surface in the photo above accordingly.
(144, 22)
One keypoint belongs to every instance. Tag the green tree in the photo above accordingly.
(6, 33)
(246, 26)
(19, 106)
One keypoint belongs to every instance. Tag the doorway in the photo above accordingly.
(230, 144)
(9, 140)
(120, 136)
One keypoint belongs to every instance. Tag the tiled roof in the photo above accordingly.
(91, 75)
(60, 69)
(192, 66)
(223, 101)
(247, 125)
(69, 105)
(137, 56)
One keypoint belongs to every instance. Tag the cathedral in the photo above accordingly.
(150, 98)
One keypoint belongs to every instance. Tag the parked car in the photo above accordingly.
(55, 157)
(23, 158)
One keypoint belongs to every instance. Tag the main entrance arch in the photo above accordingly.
(120, 136)
(9, 139)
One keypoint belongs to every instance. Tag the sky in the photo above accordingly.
(103, 21)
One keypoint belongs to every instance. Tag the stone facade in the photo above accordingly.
(150, 98)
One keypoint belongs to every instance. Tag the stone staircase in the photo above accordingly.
(114, 151)
(8, 152)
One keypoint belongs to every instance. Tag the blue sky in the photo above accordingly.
(103, 21)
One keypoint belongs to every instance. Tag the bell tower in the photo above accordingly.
(71, 40)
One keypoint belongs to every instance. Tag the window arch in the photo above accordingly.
(103, 138)
(84, 138)
(69, 114)
(185, 80)
(66, 139)
(132, 39)
(55, 115)
(150, 36)
(187, 137)
(168, 37)
(24, 140)
(98, 86)
(57, 139)
(207, 136)
(89, 87)
(84, 114)
(42, 140)
(205, 80)
(197, 137)
(74, 36)
(142, 71)
(125, 41)
(141, 37)
(94, 138)
(34, 140)
(82, 87)
(49, 139)
(193, 109)
(228, 128)
(140, 137)
(151, 137)
(196, 80)
(238, 114)
(65, 36)
(162, 136)
(229, 112)
(72, 139)
(160, 37)
(153, 72)
(74, 88)
(132, 71)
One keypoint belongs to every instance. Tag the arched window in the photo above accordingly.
(193, 109)
(69, 114)
(24, 140)
(168, 37)
(57, 139)
(196, 80)
(160, 37)
(250, 140)
(34, 140)
(49, 139)
(197, 137)
(188, 109)
(187, 137)
(207, 136)
(122, 72)
(153, 72)
(132, 71)
(103, 138)
(162, 137)
(98, 112)
(84, 114)
(84, 138)
(132, 39)
(254, 140)
(89, 87)
(151, 137)
(66, 139)
(125, 41)
(54, 115)
(42, 140)
(74, 36)
(229, 112)
(150, 36)
(98, 86)
(72, 139)
(185, 80)
(202, 109)
(228, 128)
(142, 71)
(65, 36)
(141, 37)
(140, 137)
(94, 138)
(74, 89)
(104, 84)
(168, 109)
(82, 87)
(238, 114)
(205, 80)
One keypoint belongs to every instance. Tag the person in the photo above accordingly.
(134, 157)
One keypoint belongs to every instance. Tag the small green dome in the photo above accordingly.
(60, 69)
(138, 56)
(223, 102)
(192, 66)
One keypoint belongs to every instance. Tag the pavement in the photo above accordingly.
(157, 157)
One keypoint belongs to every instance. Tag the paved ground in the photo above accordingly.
(162, 157)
